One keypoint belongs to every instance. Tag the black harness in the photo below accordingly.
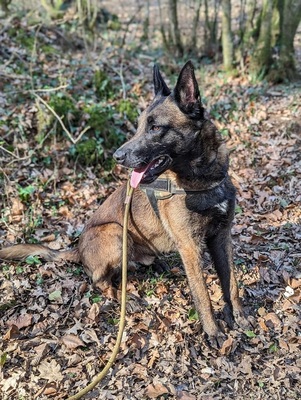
(164, 188)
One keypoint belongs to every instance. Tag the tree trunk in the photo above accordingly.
(4, 5)
(246, 29)
(145, 35)
(290, 17)
(162, 29)
(195, 23)
(175, 27)
(262, 58)
(211, 45)
(227, 41)
(249, 25)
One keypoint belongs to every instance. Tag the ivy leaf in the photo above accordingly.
(56, 295)
(33, 260)
(250, 334)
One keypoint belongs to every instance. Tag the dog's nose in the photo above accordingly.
(119, 156)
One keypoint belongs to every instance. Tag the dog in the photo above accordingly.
(184, 202)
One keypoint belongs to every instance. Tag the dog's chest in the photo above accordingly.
(209, 215)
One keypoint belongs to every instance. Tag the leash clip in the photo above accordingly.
(129, 192)
(127, 199)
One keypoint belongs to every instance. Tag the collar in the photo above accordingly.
(164, 188)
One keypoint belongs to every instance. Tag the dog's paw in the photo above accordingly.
(160, 266)
(110, 293)
(236, 318)
(228, 316)
(216, 340)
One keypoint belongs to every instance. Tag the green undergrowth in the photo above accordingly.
(82, 105)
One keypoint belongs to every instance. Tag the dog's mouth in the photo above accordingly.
(151, 171)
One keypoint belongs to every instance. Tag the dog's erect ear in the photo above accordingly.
(159, 84)
(187, 91)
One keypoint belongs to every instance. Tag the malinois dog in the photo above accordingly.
(185, 202)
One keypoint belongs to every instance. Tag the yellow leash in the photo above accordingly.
(111, 361)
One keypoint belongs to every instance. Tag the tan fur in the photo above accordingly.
(22, 251)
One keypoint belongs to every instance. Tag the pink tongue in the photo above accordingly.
(136, 177)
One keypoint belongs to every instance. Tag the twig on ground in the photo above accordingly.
(34, 55)
(73, 140)
(122, 82)
(17, 158)
(14, 76)
(68, 311)
(50, 89)
(120, 74)
(46, 90)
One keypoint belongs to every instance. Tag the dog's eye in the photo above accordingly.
(155, 128)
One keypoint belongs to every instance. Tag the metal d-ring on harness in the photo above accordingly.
(164, 188)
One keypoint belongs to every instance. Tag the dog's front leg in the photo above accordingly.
(220, 248)
(191, 255)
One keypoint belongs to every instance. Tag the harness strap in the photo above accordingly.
(151, 194)
(163, 188)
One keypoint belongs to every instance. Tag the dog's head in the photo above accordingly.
(167, 129)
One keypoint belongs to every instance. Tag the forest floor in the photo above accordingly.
(57, 332)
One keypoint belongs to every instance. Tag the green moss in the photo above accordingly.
(114, 25)
(88, 151)
(23, 38)
(102, 84)
(62, 104)
(67, 109)
(100, 116)
(25, 193)
(129, 109)
(105, 126)
(49, 50)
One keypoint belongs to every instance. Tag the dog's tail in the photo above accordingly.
(22, 251)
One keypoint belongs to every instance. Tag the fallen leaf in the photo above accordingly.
(155, 390)
(89, 336)
(40, 327)
(40, 350)
(72, 341)
(282, 344)
(65, 212)
(295, 283)
(261, 311)
(272, 320)
(48, 238)
(12, 333)
(227, 346)
(50, 370)
(262, 324)
(22, 321)
(49, 390)
(94, 312)
(154, 356)
(273, 216)
(17, 207)
(11, 382)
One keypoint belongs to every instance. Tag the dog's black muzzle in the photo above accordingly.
(129, 156)
(120, 155)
